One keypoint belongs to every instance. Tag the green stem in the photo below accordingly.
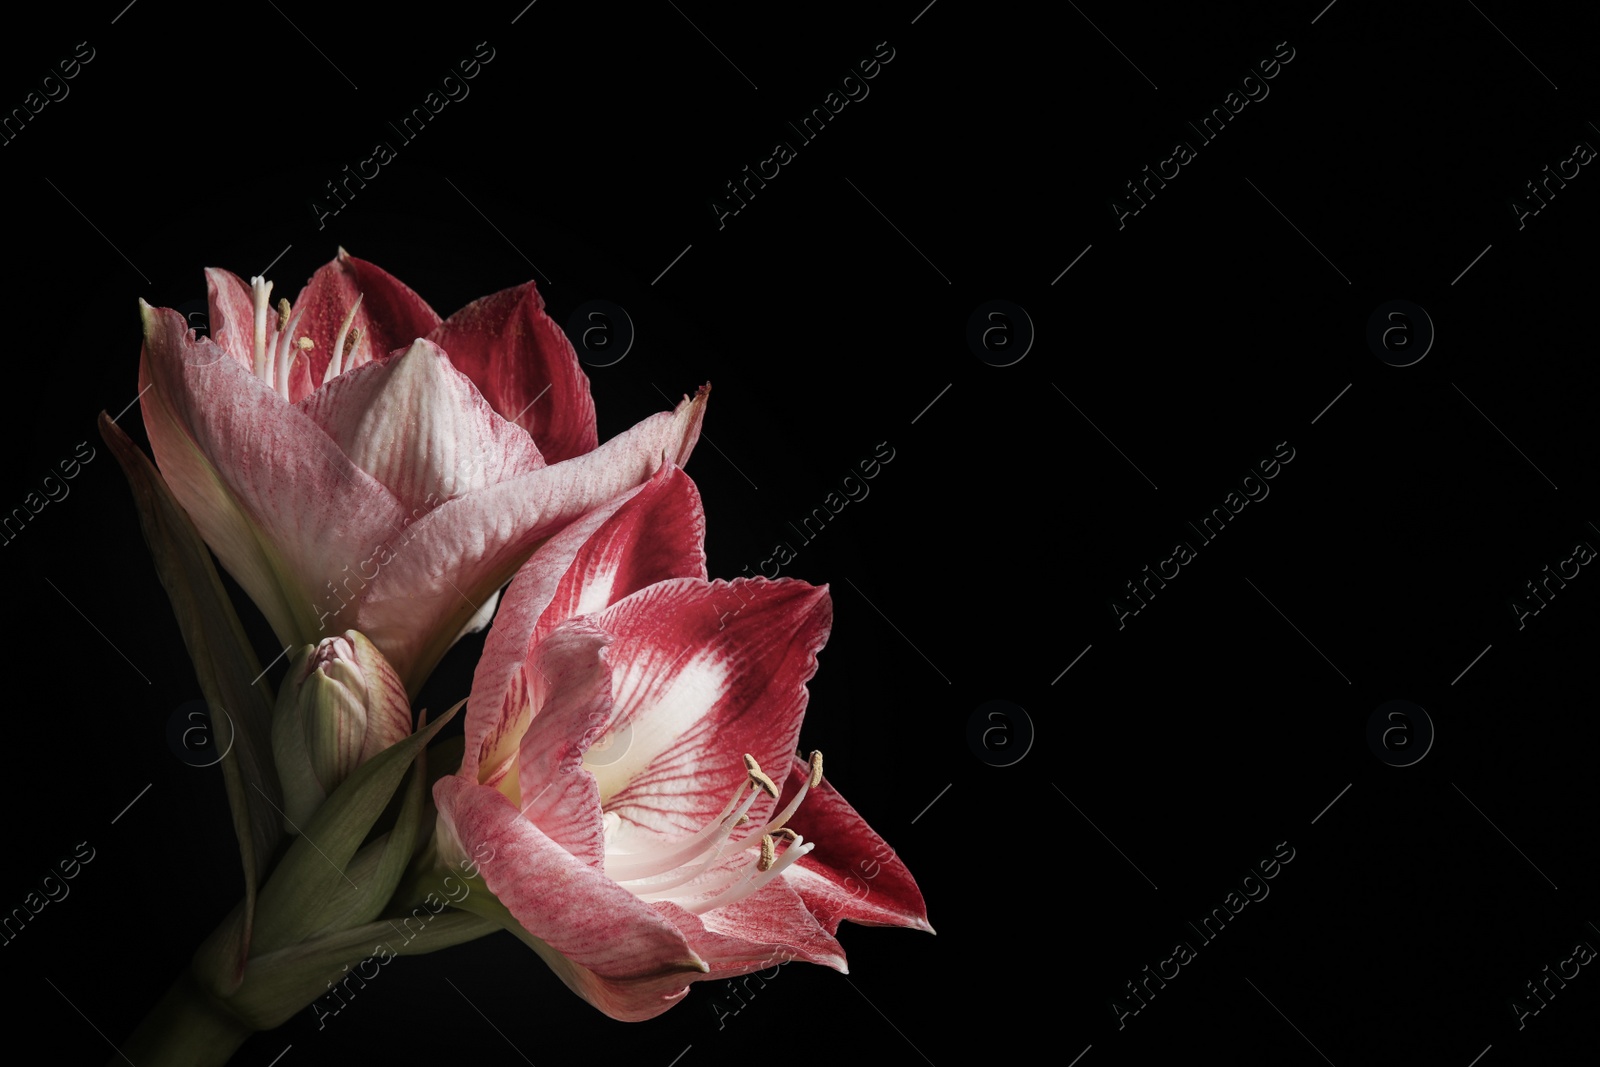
(188, 1028)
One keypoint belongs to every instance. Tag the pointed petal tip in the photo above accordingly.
(698, 400)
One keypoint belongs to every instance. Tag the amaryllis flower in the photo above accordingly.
(357, 463)
(630, 788)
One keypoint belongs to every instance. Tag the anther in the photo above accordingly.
(816, 767)
(768, 853)
(283, 312)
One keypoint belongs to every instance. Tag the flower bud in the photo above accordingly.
(341, 704)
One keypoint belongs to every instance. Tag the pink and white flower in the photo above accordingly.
(356, 462)
(630, 767)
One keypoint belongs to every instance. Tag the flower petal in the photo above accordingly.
(852, 873)
(231, 320)
(525, 367)
(771, 925)
(641, 537)
(567, 697)
(571, 906)
(467, 548)
(416, 423)
(703, 674)
(391, 316)
(766, 929)
(287, 512)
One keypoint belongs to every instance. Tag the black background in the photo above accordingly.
(829, 314)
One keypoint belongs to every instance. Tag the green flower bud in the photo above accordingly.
(341, 704)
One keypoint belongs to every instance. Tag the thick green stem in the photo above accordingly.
(188, 1028)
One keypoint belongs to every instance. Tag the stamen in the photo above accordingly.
(343, 343)
(752, 884)
(633, 867)
(711, 864)
(262, 290)
(280, 370)
(789, 809)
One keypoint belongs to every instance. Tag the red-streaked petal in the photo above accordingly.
(525, 367)
(771, 925)
(702, 674)
(644, 536)
(281, 507)
(569, 905)
(391, 316)
(762, 931)
(852, 873)
(457, 555)
(625, 1001)
(568, 701)
(657, 534)
(415, 423)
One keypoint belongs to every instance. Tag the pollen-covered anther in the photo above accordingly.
(306, 344)
(816, 767)
(750, 763)
(350, 342)
(741, 820)
(759, 779)
(283, 312)
(769, 853)
(785, 833)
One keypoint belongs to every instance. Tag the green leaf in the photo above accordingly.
(377, 868)
(281, 983)
(224, 664)
(312, 881)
